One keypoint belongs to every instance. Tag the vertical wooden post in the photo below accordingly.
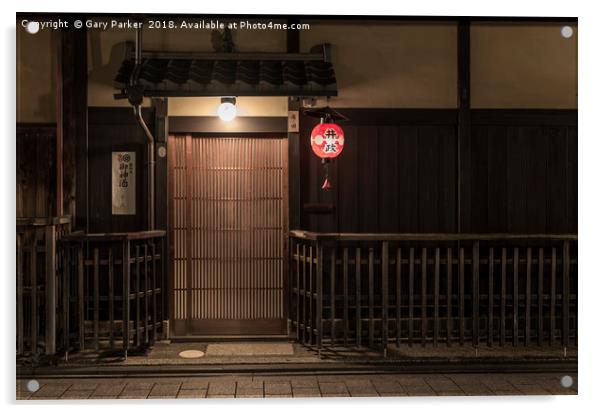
(475, 293)
(398, 298)
(111, 282)
(332, 294)
(553, 299)
(371, 297)
(66, 280)
(528, 298)
(385, 294)
(319, 298)
(345, 295)
(503, 300)
(137, 295)
(449, 271)
(33, 269)
(540, 298)
(81, 297)
(490, 298)
(20, 301)
(50, 238)
(461, 296)
(358, 298)
(565, 292)
(126, 295)
(423, 302)
(146, 296)
(515, 299)
(96, 293)
(436, 298)
(154, 291)
(411, 299)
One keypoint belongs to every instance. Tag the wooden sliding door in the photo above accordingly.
(228, 234)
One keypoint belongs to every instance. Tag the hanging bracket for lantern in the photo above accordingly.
(327, 138)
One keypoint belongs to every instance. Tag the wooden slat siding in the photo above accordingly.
(298, 285)
(411, 298)
(490, 297)
(111, 286)
(125, 295)
(398, 298)
(20, 301)
(385, 295)
(553, 298)
(461, 296)
(51, 289)
(436, 297)
(345, 296)
(528, 297)
(371, 297)
(137, 294)
(96, 302)
(423, 303)
(515, 298)
(475, 293)
(80, 295)
(319, 296)
(146, 296)
(358, 297)
(565, 293)
(540, 298)
(503, 299)
(332, 294)
(305, 297)
(449, 326)
(33, 272)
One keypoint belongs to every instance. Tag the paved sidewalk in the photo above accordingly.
(382, 385)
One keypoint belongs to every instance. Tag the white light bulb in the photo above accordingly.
(226, 111)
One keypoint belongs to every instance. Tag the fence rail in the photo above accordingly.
(37, 279)
(376, 290)
(113, 290)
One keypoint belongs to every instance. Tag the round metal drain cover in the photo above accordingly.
(191, 354)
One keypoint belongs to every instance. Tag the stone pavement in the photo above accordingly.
(345, 385)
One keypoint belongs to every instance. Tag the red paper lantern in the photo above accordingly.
(327, 140)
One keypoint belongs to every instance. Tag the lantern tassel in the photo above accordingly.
(326, 185)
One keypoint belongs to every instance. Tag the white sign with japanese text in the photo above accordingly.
(124, 183)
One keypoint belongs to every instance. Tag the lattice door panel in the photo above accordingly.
(228, 227)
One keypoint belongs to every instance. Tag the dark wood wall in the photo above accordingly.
(399, 172)
(109, 130)
(36, 170)
(519, 172)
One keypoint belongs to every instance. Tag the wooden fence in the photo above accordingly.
(435, 289)
(113, 290)
(37, 282)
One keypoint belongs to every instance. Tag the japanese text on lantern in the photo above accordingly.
(327, 140)
(124, 183)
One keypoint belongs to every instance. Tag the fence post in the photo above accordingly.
(319, 273)
(50, 290)
(475, 293)
(384, 262)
